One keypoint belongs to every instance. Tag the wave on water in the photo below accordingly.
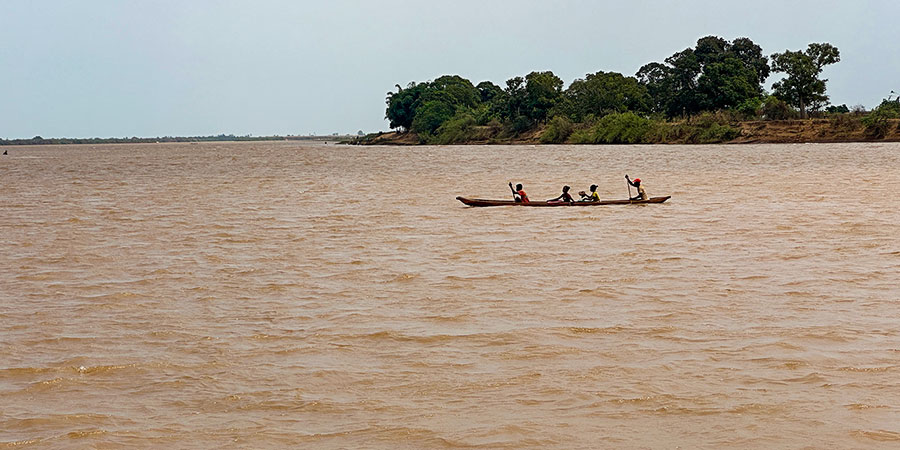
(877, 435)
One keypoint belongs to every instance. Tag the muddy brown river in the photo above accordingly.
(282, 294)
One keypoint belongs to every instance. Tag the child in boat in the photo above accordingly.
(565, 197)
(642, 194)
(519, 195)
(593, 197)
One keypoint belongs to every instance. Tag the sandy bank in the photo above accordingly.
(773, 131)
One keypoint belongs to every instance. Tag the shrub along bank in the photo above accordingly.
(629, 128)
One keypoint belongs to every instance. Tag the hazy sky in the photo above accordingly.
(197, 67)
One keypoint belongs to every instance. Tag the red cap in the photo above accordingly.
(637, 180)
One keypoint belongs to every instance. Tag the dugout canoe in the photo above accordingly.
(483, 202)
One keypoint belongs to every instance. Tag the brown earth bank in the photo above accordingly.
(751, 132)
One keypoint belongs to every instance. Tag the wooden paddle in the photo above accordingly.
(629, 187)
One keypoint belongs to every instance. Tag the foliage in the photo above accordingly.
(489, 91)
(542, 90)
(604, 93)
(751, 55)
(878, 122)
(716, 133)
(802, 86)
(558, 130)
(726, 84)
(715, 74)
(890, 108)
(617, 128)
(655, 77)
(484, 114)
(430, 116)
(513, 105)
(451, 91)
(750, 108)
(843, 109)
(774, 108)
(401, 106)
(454, 130)
(455, 90)
(706, 128)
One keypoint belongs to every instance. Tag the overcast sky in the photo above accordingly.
(198, 67)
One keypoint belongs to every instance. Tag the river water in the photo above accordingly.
(281, 294)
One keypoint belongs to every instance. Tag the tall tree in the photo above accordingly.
(514, 98)
(542, 91)
(604, 93)
(443, 97)
(751, 55)
(455, 90)
(715, 74)
(685, 68)
(726, 84)
(488, 91)
(656, 77)
(802, 86)
(401, 105)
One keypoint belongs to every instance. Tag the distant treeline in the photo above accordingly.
(37, 140)
(700, 91)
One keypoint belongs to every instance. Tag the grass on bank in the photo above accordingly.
(629, 128)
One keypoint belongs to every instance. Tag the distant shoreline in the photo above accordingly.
(748, 132)
(37, 140)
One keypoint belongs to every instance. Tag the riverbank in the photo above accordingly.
(839, 129)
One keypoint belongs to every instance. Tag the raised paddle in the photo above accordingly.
(629, 187)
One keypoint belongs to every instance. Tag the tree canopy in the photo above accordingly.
(438, 99)
(802, 86)
(714, 75)
(602, 93)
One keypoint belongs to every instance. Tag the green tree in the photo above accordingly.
(401, 106)
(842, 109)
(493, 102)
(431, 115)
(656, 77)
(685, 67)
(726, 84)
(529, 100)
(489, 91)
(605, 93)
(514, 98)
(542, 91)
(751, 55)
(715, 74)
(452, 92)
(711, 49)
(802, 86)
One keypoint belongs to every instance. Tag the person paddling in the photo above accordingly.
(642, 194)
(519, 195)
(565, 196)
(593, 197)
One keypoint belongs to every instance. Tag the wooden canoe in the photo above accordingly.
(483, 202)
